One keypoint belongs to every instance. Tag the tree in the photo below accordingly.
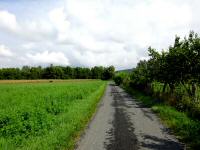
(53, 72)
(25, 72)
(36, 72)
(68, 72)
(57, 72)
(120, 77)
(140, 76)
(179, 65)
(97, 72)
(108, 73)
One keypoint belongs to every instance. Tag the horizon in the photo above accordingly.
(43, 67)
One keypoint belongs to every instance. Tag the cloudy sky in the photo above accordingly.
(91, 32)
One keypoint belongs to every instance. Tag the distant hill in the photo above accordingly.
(125, 70)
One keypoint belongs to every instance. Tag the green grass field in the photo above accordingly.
(46, 115)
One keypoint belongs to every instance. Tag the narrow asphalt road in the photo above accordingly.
(122, 123)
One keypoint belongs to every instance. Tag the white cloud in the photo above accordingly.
(5, 51)
(48, 58)
(28, 46)
(109, 27)
(32, 30)
(8, 21)
(99, 32)
(37, 30)
(60, 22)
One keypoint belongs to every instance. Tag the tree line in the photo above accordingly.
(57, 72)
(176, 70)
(178, 65)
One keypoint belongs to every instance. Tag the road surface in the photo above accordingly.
(122, 123)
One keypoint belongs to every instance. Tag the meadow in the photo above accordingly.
(48, 114)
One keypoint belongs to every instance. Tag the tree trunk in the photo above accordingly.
(193, 89)
(172, 87)
(164, 87)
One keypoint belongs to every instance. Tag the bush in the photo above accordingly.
(121, 78)
(118, 80)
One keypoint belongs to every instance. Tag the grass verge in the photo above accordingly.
(186, 129)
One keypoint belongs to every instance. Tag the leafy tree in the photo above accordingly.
(57, 72)
(120, 77)
(140, 76)
(108, 73)
(85, 73)
(53, 72)
(68, 72)
(97, 72)
(36, 72)
(25, 72)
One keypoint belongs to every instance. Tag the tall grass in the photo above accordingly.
(46, 115)
(179, 98)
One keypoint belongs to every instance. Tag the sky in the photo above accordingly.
(91, 33)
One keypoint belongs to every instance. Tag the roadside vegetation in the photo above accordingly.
(46, 115)
(185, 128)
(169, 82)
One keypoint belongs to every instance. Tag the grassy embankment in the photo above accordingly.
(46, 115)
(184, 127)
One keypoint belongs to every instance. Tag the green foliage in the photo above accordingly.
(118, 80)
(183, 101)
(177, 70)
(46, 115)
(53, 72)
(57, 72)
(140, 75)
(97, 72)
(108, 73)
(121, 78)
(180, 64)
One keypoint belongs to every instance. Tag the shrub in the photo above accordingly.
(121, 78)
(118, 80)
